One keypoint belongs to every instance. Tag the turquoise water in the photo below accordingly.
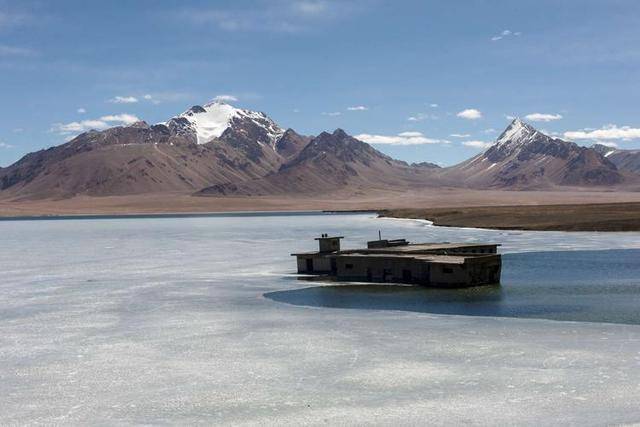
(592, 286)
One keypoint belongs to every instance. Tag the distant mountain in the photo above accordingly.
(625, 160)
(204, 146)
(329, 162)
(525, 158)
(221, 150)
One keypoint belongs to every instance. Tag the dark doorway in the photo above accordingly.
(406, 276)
(309, 264)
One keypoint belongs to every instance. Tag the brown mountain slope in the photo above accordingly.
(132, 160)
(524, 158)
(625, 160)
(330, 162)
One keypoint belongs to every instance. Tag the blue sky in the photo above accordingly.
(423, 80)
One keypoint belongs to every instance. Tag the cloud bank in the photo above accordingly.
(123, 100)
(101, 123)
(404, 138)
(477, 144)
(542, 117)
(624, 133)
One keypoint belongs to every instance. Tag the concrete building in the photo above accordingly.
(398, 261)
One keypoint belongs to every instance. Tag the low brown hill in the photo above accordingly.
(625, 160)
(330, 162)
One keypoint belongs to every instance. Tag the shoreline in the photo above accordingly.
(161, 215)
(542, 211)
(594, 217)
(605, 217)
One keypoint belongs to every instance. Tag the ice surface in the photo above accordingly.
(163, 321)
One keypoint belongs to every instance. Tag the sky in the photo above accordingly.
(421, 80)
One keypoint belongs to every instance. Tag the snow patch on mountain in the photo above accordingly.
(518, 133)
(213, 119)
(210, 121)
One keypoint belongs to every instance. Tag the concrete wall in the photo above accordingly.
(381, 269)
(475, 271)
(329, 244)
(449, 275)
(321, 264)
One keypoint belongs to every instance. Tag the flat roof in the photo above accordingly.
(443, 259)
(417, 247)
(403, 249)
(314, 253)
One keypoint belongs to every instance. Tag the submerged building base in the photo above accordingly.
(398, 261)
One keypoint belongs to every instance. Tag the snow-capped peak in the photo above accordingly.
(518, 132)
(211, 120)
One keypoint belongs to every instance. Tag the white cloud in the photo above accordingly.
(433, 105)
(477, 144)
(404, 138)
(332, 113)
(126, 119)
(151, 98)
(15, 51)
(470, 114)
(17, 130)
(542, 117)
(358, 108)
(81, 110)
(310, 7)
(296, 110)
(624, 133)
(505, 34)
(102, 123)
(158, 97)
(225, 98)
(489, 130)
(460, 135)
(421, 117)
(509, 117)
(5, 145)
(123, 100)
(551, 133)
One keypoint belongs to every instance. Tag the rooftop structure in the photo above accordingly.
(433, 264)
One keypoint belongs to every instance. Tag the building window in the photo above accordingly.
(348, 266)
(447, 270)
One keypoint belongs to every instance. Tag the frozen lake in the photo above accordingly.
(200, 320)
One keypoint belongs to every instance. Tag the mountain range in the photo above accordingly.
(625, 160)
(220, 150)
